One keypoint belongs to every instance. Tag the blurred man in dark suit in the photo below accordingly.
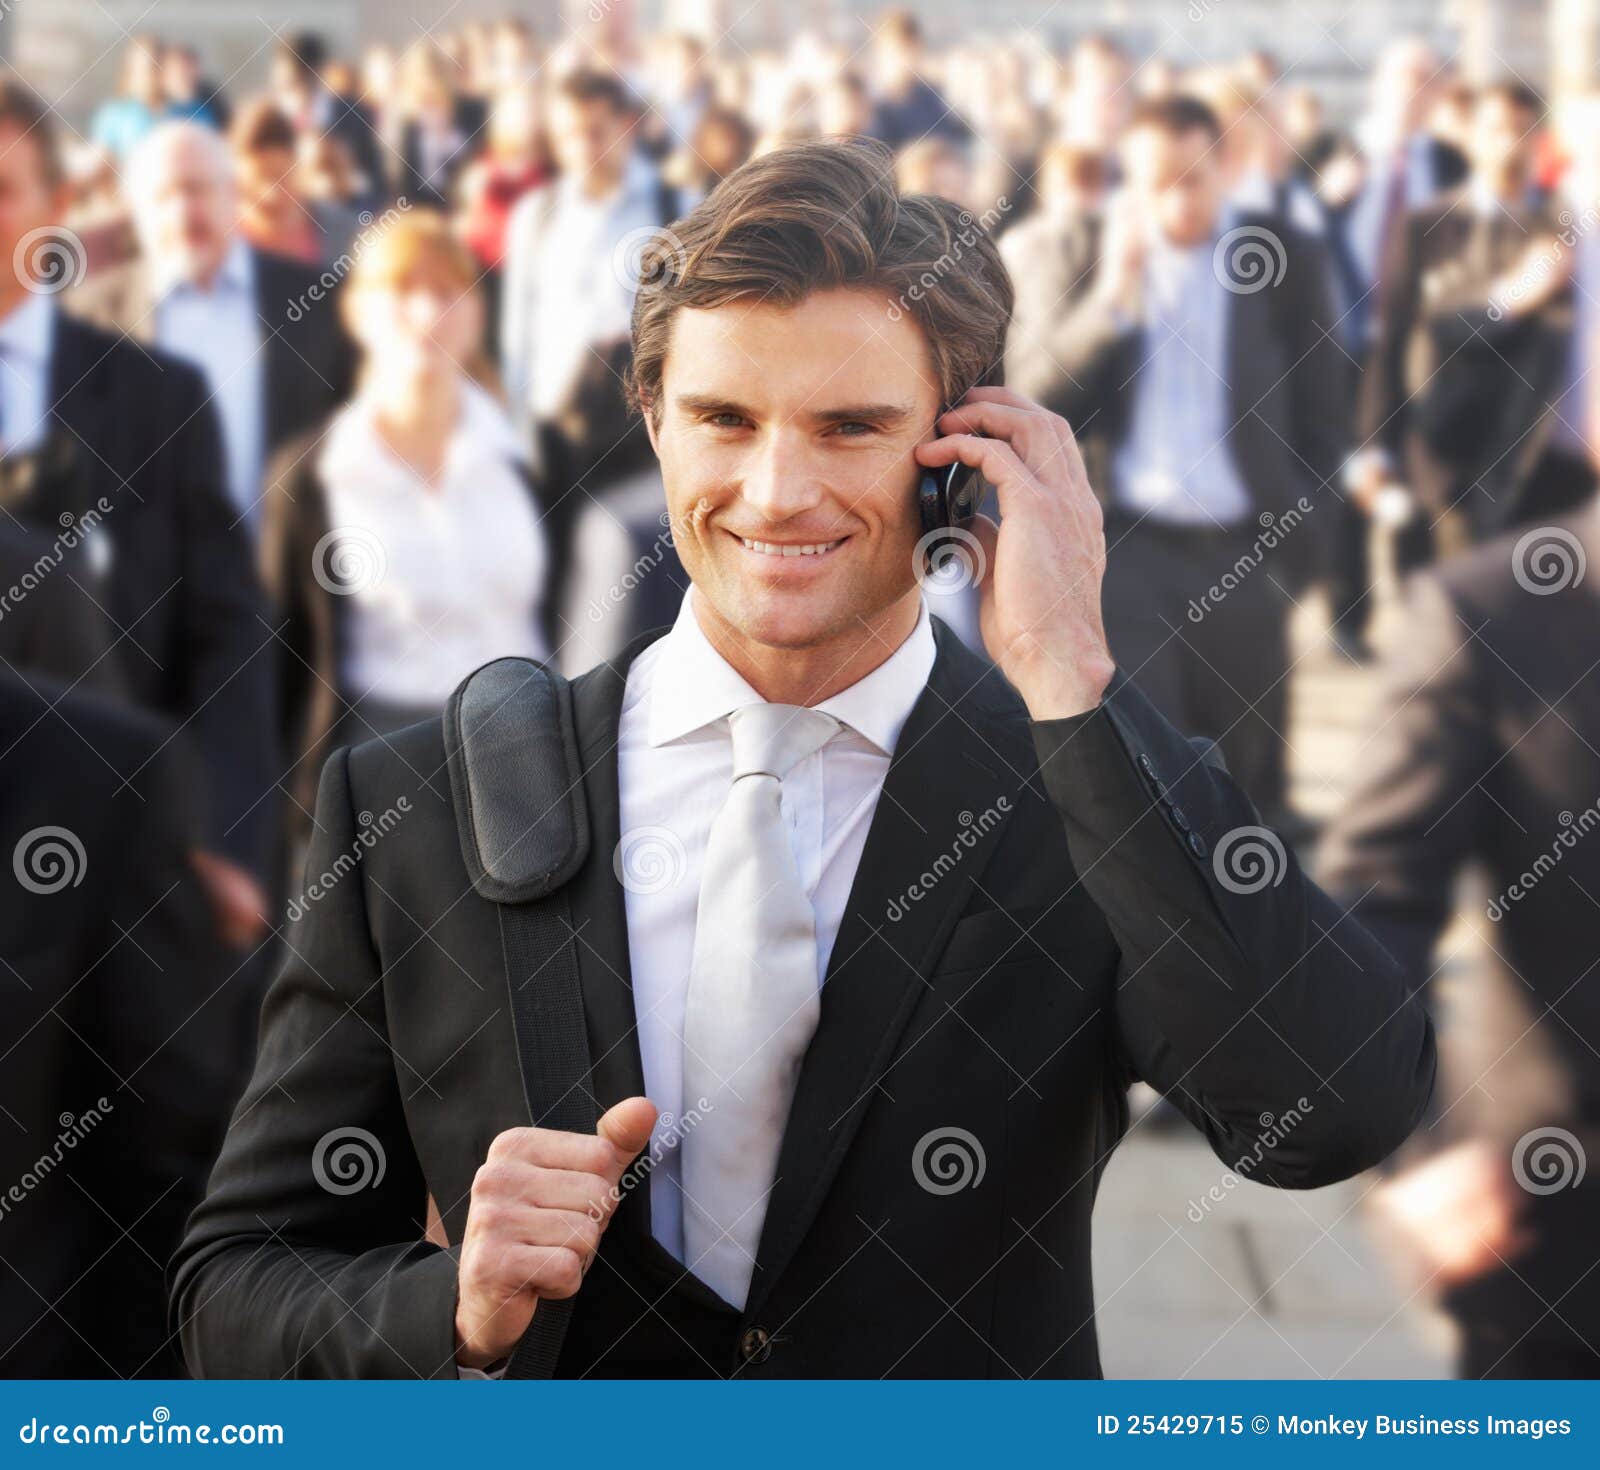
(1197, 367)
(263, 329)
(87, 417)
(1486, 759)
(51, 622)
(1457, 402)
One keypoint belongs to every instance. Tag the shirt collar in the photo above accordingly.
(237, 274)
(694, 686)
(483, 433)
(27, 332)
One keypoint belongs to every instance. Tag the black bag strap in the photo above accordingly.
(517, 786)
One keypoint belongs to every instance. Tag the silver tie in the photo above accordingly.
(753, 1004)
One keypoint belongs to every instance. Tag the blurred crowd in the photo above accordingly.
(312, 400)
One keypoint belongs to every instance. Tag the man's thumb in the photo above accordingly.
(627, 1126)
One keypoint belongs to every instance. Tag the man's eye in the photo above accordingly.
(725, 420)
(853, 429)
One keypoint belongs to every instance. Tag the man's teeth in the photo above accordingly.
(768, 548)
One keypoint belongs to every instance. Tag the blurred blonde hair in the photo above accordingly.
(417, 244)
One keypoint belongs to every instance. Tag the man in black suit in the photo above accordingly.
(851, 904)
(1458, 399)
(1484, 760)
(95, 427)
(262, 328)
(1193, 349)
(123, 1045)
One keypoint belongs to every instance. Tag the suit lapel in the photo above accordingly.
(963, 748)
(281, 362)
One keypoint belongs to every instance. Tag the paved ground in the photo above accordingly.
(1268, 1283)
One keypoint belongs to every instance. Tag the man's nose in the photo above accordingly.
(780, 480)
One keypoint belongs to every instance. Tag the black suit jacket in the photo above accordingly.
(1486, 759)
(181, 592)
(1287, 378)
(1082, 940)
(1458, 390)
(309, 359)
(123, 1048)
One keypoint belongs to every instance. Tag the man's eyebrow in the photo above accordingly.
(886, 414)
(708, 403)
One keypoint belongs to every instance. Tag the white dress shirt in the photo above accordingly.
(219, 332)
(1175, 465)
(674, 772)
(445, 576)
(27, 336)
(566, 287)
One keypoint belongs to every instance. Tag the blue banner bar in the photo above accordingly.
(818, 1426)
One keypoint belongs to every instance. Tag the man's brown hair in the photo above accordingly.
(27, 113)
(821, 215)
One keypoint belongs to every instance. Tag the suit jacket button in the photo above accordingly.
(1147, 770)
(1179, 821)
(755, 1346)
(1197, 845)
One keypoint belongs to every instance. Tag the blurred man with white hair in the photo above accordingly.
(261, 328)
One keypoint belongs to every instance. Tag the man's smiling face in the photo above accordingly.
(785, 435)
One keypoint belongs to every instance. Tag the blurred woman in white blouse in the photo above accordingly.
(402, 542)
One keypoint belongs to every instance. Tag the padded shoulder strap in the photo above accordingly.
(516, 780)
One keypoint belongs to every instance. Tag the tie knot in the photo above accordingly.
(774, 738)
